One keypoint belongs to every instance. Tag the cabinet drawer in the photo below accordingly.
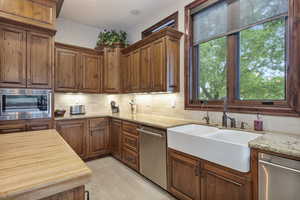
(12, 128)
(96, 123)
(39, 125)
(131, 142)
(130, 128)
(130, 158)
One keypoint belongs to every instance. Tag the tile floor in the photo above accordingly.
(112, 180)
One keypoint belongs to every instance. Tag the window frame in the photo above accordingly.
(288, 107)
(147, 32)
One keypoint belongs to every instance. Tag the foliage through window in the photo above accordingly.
(240, 50)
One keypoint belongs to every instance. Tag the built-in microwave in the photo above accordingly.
(25, 104)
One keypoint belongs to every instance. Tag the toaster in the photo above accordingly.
(77, 110)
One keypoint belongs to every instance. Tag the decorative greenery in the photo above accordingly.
(109, 38)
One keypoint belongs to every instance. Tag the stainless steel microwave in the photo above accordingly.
(25, 104)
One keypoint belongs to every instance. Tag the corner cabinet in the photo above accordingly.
(191, 178)
(152, 64)
(112, 83)
(78, 69)
(26, 58)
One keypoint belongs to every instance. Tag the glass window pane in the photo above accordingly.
(210, 22)
(212, 69)
(262, 62)
(247, 12)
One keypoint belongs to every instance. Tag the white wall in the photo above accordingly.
(70, 32)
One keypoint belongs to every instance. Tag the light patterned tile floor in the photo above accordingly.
(112, 180)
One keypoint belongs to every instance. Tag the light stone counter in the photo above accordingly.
(286, 144)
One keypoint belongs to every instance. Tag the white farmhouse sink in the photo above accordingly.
(228, 148)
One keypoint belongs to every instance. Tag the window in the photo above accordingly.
(170, 21)
(242, 51)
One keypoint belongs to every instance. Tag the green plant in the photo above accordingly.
(109, 38)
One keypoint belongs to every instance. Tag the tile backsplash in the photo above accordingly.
(171, 105)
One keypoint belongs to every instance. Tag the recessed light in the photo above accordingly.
(135, 12)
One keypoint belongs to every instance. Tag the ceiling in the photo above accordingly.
(112, 14)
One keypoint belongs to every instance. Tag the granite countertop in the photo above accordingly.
(287, 144)
(35, 165)
(144, 119)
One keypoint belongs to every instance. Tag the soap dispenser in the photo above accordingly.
(258, 123)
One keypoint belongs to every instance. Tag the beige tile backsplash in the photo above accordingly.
(171, 105)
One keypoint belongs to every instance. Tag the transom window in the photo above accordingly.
(238, 51)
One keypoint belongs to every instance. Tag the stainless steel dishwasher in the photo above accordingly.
(153, 155)
(279, 178)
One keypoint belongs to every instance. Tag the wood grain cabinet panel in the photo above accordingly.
(112, 70)
(126, 75)
(39, 59)
(158, 61)
(98, 137)
(116, 138)
(66, 70)
(145, 69)
(74, 133)
(173, 64)
(91, 73)
(73, 194)
(12, 127)
(130, 158)
(134, 70)
(41, 13)
(12, 57)
(183, 176)
(39, 125)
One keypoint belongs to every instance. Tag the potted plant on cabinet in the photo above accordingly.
(111, 39)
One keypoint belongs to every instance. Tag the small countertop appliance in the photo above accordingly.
(77, 110)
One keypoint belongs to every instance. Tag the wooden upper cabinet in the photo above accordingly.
(78, 69)
(158, 62)
(91, 73)
(126, 75)
(112, 70)
(155, 62)
(184, 176)
(145, 69)
(40, 13)
(74, 133)
(39, 60)
(135, 71)
(12, 57)
(66, 70)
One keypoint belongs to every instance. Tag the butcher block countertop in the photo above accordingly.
(35, 165)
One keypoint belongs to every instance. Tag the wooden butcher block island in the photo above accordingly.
(40, 165)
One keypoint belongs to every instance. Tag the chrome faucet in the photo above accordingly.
(206, 118)
(226, 117)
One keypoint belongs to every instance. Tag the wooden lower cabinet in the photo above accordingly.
(12, 127)
(183, 176)
(39, 125)
(98, 139)
(89, 138)
(74, 133)
(191, 178)
(130, 158)
(116, 138)
(24, 125)
(74, 194)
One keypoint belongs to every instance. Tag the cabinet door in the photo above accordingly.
(39, 125)
(66, 70)
(112, 69)
(39, 60)
(74, 133)
(158, 65)
(90, 73)
(99, 137)
(135, 71)
(116, 139)
(183, 179)
(173, 64)
(126, 76)
(219, 184)
(12, 57)
(12, 127)
(145, 70)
